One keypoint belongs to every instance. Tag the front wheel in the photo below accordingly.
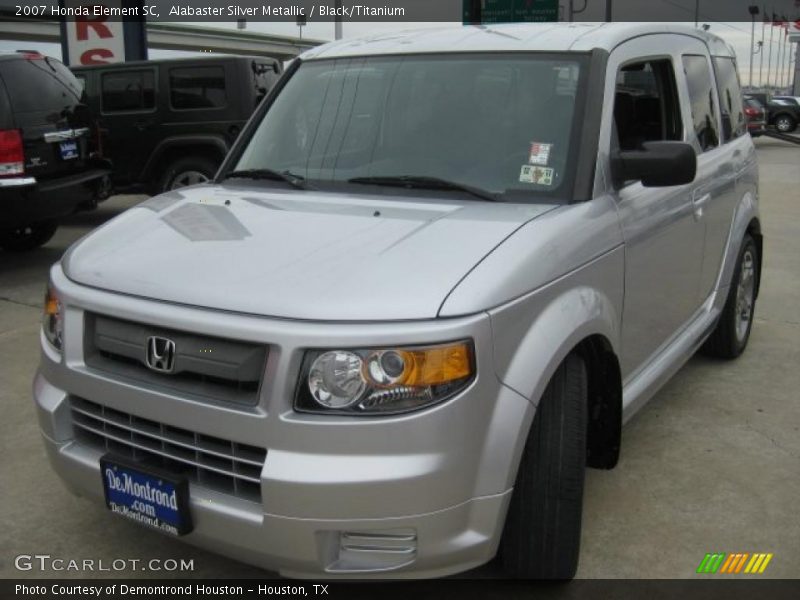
(191, 170)
(542, 533)
(28, 237)
(785, 124)
(729, 338)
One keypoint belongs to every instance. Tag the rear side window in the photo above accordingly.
(40, 84)
(701, 95)
(127, 91)
(197, 87)
(730, 97)
(646, 107)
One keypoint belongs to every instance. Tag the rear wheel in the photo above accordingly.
(785, 123)
(729, 338)
(28, 237)
(187, 171)
(541, 537)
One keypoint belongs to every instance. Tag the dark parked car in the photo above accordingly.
(169, 123)
(756, 116)
(47, 163)
(781, 114)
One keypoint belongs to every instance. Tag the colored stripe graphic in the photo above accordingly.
(734, 563)
(711, 563)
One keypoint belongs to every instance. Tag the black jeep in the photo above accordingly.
(169, 123)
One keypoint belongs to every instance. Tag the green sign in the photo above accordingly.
(510, 11)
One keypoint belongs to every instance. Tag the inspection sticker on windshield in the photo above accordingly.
(537, 175)
(540, 154)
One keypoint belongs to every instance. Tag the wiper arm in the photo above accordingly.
(296, 181)
(425, 182)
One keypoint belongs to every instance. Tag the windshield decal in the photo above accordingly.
(537, 175)
(540, 154)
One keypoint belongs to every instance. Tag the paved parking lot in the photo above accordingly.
(711, 464)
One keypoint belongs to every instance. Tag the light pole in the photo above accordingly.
(760, 52)
(761, 59)
(337, 21)
(788, 55)
(696, 12)
(610, 9)
(781, 39)
(753, 12)
(779, 62)
(769, 58)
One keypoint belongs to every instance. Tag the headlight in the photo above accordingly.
(382, 381)
(53, 321)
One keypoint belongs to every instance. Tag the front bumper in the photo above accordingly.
(416, 495)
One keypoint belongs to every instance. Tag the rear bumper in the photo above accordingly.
(25, 200)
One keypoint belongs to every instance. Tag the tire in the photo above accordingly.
(785, 123)
(542, 533)
(29, 237)
(187, 171)
(730, 336)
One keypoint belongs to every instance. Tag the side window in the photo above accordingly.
(197, 87)
(701, 95)
(126, 91)
(730, 97)
(646, 104)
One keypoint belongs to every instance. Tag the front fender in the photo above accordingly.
(534, 334)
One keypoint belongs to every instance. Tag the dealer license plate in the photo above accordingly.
(68, 150)
(146, 495)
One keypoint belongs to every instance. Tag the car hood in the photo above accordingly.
(256, 249)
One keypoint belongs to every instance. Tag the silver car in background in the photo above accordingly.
(434, 277)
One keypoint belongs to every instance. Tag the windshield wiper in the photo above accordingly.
(425, 182)
(296, 181)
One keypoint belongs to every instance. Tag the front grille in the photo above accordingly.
(205, 368)
(210, 462)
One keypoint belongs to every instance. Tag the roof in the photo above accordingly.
(519, 37)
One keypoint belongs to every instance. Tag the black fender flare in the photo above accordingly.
(153, 163)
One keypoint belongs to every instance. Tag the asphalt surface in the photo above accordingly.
(711, 464)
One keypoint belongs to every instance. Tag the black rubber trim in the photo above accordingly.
(590, 130)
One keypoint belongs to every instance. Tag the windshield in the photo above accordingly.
(502, 123)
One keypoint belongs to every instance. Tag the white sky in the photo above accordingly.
(735, 33)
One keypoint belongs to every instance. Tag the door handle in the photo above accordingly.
(142, 125)
(698, 203)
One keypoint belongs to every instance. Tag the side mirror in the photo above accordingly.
(655, 164)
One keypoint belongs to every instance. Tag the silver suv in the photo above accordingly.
(433, 278)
